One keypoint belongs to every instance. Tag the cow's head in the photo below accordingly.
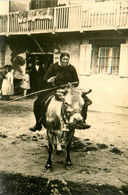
(75, 104)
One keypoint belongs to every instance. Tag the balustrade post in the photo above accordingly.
(54, 21)
(81, 19)
(27, 25)
(8, 24)
(118, 14)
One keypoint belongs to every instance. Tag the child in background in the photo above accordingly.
(26, 82)
(7, 88)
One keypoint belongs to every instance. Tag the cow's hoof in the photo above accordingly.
(68, 166)
(49, 168)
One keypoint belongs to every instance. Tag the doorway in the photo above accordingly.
(46, 59)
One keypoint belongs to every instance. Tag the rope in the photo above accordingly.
(40, 91)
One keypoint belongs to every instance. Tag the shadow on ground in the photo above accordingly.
(16, 184)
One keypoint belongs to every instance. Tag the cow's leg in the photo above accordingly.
(49, 161)
(58, 146)
(37, 113)
(50, 151)
(69, 136)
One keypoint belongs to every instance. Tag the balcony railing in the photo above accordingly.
(96, 16)
(31, 21)
(3, 24)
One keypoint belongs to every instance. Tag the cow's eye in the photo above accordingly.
(66, 104)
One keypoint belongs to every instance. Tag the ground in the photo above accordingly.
(99, 155)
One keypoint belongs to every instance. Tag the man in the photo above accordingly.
(36, 75)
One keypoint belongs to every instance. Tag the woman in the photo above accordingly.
(61, 73)
(58, 74)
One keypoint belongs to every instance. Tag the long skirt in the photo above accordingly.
(7, 88)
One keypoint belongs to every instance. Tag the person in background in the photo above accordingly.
(7, 88)
(37, 74)
(44, 70)
(57, 74)
(1, 80)
(30, 68)
(26, 82)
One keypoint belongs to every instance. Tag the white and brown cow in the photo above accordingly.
(68, 107)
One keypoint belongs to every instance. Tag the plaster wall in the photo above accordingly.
(73, 47)
(85, 41)
(8, 54)
(4, 7)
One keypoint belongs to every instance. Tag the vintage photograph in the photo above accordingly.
(63, 97)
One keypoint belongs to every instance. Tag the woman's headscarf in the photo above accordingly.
(65, 53)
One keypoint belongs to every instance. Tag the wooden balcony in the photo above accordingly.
(96, 16)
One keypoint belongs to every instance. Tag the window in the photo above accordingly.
(115, 60)
(108, 60)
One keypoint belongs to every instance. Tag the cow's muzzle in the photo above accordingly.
(70, 114)
(78, 125)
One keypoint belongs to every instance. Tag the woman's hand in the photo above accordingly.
(51, 79)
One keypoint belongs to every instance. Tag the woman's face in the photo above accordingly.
(65, 61)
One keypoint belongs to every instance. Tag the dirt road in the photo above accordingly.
(99, 155)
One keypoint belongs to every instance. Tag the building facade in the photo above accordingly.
(93, 32)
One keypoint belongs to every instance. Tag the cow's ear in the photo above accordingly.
(86, 99)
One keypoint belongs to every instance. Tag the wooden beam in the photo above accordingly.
(37, 44)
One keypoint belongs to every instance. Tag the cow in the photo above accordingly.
(67, 107)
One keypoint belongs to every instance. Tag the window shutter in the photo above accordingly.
(123, 68)
(85, 59)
